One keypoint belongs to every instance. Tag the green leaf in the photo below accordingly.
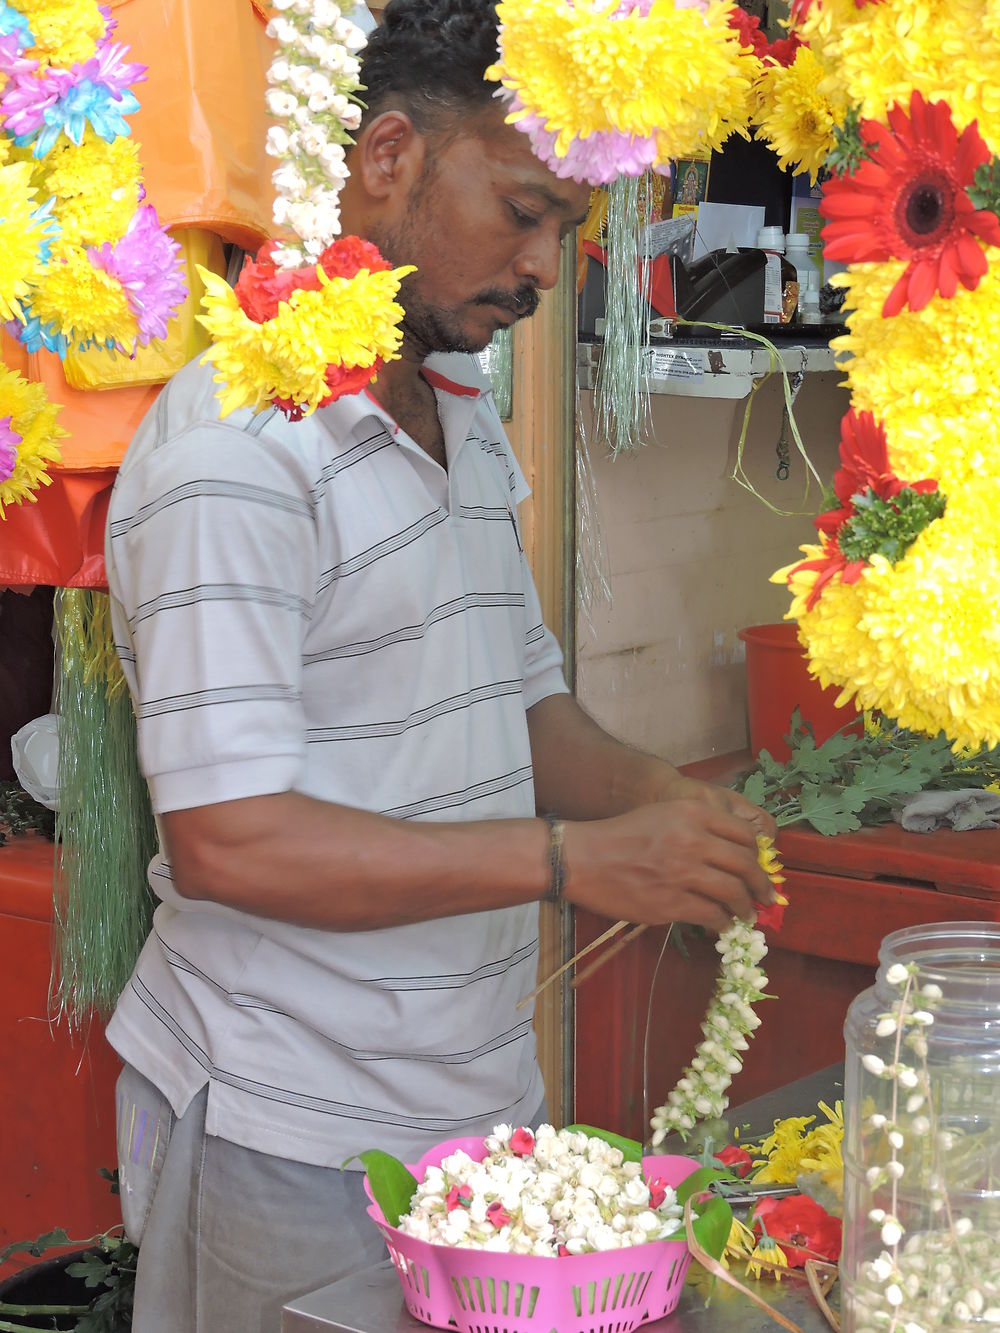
(392, 1184)
(885, 778)
(755, 788)
(712, 1223)
(51, 1240)
(630, 1149)
(831, 809)
(698, 1181)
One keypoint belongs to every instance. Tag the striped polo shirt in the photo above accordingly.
(320, 607)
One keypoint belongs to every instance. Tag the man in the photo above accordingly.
(349, 715)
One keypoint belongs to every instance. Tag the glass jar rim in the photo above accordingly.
(951, 951)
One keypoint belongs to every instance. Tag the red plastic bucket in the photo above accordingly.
(778, 682)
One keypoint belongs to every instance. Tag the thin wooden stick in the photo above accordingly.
(544, 985)
(598, 963)
(821, 1277)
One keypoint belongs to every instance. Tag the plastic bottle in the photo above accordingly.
(797, 254)
(781, 286)
(809, 312)
(921, 1134)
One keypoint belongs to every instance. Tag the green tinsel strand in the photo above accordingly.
(105, 827)
(501, 370)
(620, 397)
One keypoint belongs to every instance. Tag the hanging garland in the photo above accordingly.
(312, 320)
(896, 602)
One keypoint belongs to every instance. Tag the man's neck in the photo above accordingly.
(410, 400)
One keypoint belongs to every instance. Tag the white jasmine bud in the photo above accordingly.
(892, 1232)
(874, 1064)
(897, 974)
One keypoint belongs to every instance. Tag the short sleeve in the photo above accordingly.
(212, 570)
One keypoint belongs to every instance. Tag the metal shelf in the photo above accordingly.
(699, 368)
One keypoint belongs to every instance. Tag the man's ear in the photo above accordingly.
(389, 155)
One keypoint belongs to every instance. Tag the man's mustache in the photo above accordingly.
(522, 303)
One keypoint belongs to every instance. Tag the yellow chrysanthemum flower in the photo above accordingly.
(822, 1149)
(83, 302)
(678, 74)
(768, 1259)
(877, 54)
(33, 417)
(96, 187)
(65, 31)
(348, 322)
(794, 117)
(782, 1151)
(919, 640)
(923, 375)
(20, 237)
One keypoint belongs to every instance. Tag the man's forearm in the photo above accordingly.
(311, 863)
(583, 773)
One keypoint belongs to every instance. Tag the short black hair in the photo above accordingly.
(429, 57)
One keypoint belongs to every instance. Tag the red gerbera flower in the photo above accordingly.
(909, 201)
(783, 52)
(801, 1227)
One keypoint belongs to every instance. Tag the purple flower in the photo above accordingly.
(601, 157)
(9, 440)
(11, 60)
(94, 90)
(145, 263)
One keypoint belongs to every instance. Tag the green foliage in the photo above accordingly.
(392, 1184)
(852, 781)
(107, 1267)
(20, 813)
(985, 188)
(888, 527)
(849, 149)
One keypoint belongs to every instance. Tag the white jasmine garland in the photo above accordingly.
(314, 81)
(546, 1193)
(700, 1092)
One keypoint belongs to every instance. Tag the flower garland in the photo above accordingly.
(310, 321)
(83, 261)
(547, 1193)
(560, 70)
(28, 437)
(896, 604)
(701, 1090)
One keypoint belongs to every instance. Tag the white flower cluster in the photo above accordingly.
(701, 1090)
(548, 1193)
(314, 79)
(924, 1286)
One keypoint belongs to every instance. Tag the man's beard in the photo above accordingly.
(427, 326)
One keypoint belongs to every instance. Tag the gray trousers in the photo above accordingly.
(227, 1235)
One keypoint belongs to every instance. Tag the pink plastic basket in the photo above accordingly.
(479, 1292)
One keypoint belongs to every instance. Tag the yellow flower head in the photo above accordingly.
(781, 1151)
(768, 1258)
(349, 322)
(822, 1149)
(83, 302)
(741, 1243)
(33, 417)
(96, 187)
(923, 376)
(767, 859)
(794, 116)
(65, 31)
(676, 74)
(20, 238)
(877, 54)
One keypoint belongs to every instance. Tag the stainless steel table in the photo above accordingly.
(371, 1301)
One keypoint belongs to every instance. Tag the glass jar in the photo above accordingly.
(922, 1135)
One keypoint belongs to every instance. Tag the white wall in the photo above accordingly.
(688, 553)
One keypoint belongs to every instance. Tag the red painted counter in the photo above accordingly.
(845, 894)
(58, 1119)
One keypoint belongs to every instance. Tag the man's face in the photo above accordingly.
(484, 225)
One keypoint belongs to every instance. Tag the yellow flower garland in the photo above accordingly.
(20, 238)
(33, 417)
(348, 322)
(794, 117)
(96, 187)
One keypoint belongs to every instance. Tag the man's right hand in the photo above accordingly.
(681, 860)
